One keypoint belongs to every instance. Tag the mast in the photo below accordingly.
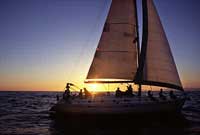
(138, 43)
(139, 75)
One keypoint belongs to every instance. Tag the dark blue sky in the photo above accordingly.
(45, 43)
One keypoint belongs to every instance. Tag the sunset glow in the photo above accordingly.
(94, 86)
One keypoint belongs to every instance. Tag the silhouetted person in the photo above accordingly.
(67, 86)
(57, 97)
(150, 95)
(129, 91)
(87, 93)
(66, 94)
(171, 94)
(80, 93)
(118, 92)
(161, 94)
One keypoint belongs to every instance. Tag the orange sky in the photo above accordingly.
(39, 82)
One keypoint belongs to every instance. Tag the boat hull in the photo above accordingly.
(125, 109)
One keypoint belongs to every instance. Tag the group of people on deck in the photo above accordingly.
(129, 93)
(161, 95)
(82, 94)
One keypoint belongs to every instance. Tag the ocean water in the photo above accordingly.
(26, 113)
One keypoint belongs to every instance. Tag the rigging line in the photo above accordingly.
(136, 29)
(83, 48)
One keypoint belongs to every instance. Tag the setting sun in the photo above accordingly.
(94, 87)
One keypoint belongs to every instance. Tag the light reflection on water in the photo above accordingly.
(26, 113)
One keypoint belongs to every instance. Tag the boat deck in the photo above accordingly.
(111, 98)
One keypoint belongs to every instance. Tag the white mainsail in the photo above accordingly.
(159, 67)
(116, 56)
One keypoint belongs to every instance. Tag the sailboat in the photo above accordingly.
(119, 59)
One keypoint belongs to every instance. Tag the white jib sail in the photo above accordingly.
(159, 63)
